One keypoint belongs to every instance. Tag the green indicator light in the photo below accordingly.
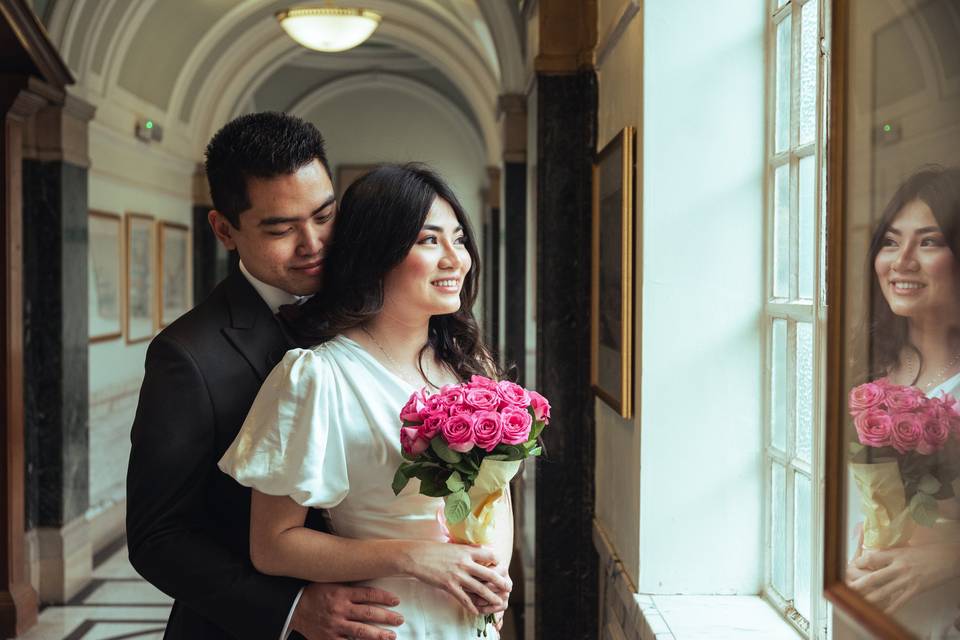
(886, 128)
(149, 124)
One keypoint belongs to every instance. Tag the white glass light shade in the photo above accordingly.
(328, 28)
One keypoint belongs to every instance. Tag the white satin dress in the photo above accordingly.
(325, 430)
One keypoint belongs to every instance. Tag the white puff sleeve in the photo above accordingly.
(291, 442)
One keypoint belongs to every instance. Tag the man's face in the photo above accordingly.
(284, 235)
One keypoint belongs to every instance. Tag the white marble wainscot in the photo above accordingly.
(628, 615)
(112, 409)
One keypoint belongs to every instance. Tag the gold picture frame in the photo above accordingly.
(612, 273)
(140, 277)
(105, 315)
(869, 154)
(174, 270)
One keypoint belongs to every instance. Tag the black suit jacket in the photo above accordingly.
(188, 524)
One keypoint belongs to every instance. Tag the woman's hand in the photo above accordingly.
(459, 570)
(485, 607)
(890, 577)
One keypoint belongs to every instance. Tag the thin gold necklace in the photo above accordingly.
(425, 377)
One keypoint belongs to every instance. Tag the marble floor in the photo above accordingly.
(117, 605)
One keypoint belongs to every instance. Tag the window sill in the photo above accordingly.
(627, 615)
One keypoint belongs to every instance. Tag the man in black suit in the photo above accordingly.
(188, 523)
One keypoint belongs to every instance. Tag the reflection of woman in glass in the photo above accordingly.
(915, 253)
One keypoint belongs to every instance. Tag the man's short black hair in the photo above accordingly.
(257, 145)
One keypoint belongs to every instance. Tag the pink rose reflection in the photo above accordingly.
(487, 429)
(935, 433)
(482, 399)
(541, 408)
(904, 399)
(513, 395)
(873, 428)
(516, 425)
(866, 396)
(458, 432)
(411, 441)
(906, 432)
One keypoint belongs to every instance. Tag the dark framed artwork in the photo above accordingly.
(892, 474)
(104, 276)
(174, 268)
(612, 299)
(140, 277)
(347, 173)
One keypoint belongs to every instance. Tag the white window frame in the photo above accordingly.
(795, 310)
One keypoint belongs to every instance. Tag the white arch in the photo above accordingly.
(503, 22)
(330, 91)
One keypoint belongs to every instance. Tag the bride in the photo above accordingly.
(916, 304)
(394, 316)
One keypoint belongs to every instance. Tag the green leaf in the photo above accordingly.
(924, 510)
(400, 479)
(465, 468)
(433, 483)
(929, 485)
(444, 452)
(457, 507)
(536, 451)
(537, 429)
(454, 482)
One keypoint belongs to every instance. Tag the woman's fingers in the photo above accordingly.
(483, 591)
(486, 574)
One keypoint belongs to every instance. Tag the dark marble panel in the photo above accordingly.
(566, 562)
(515, 264)
(491, 280)
(55, 342)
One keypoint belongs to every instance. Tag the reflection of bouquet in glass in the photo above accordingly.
(464, 444)
(907, 458)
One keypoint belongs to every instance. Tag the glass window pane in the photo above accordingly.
(781, 232)
(778, 391)
(782, 116)
(802, 545)
(809, 54)
(807, 240)
(804, 404)
(778, 530)
(780, 3)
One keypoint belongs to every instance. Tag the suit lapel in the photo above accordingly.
(253, 331)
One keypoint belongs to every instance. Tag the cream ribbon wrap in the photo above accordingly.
(486, 494)
(886, 520)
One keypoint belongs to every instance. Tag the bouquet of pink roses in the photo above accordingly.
(906, 458)
(464, 444)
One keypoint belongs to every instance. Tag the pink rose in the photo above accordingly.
(450, 395)
(936, 430)
(866, 396)
(487, 429)
(482, 383)
(411, 441)
(458, 432)
(433, 404)
(482, 399)
(411, 411)
(433, 424)
(458, 409)
(516, 425)
(906, 431)
(873, 428)
(513, 395)
(541, 408)
(904, 399)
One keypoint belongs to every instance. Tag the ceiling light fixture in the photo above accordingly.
(328, 28)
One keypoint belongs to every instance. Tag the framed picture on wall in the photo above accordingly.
(176, 277)
(612, 313)
(104, 276)
(347, 173)
(140, 277)
(892, 472)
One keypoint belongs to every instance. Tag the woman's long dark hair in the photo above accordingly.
(939, 189)
(378, 222)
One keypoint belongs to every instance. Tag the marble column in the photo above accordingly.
(513, 124)
(492, 262)
(56, 394)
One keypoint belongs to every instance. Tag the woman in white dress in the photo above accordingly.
(395, 316)
(916, 341)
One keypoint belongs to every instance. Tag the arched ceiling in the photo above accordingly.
(196, 63)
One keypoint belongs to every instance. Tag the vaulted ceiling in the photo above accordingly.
(197, 63)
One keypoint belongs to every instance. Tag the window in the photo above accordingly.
(794, 315)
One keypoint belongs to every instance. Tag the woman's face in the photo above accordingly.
(428, 281)
(917, 271)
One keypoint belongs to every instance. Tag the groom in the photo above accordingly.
(188, 523)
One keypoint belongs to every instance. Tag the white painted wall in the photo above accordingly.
(703, 236)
